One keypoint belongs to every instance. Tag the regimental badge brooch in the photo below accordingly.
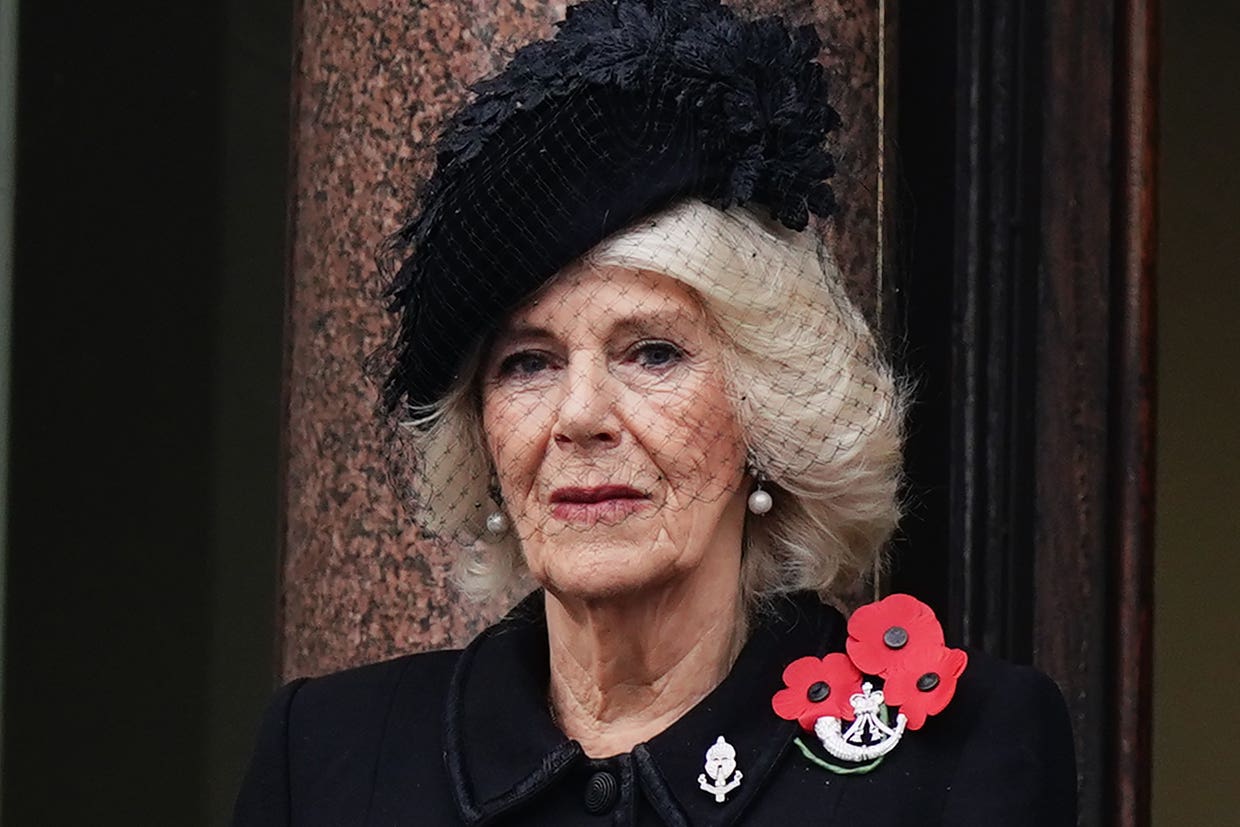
(896, 660)
(721, 767)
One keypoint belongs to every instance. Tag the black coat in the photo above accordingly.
(466, 738)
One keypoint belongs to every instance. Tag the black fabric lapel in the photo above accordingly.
(502, 746)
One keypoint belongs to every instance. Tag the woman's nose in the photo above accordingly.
(586, 416)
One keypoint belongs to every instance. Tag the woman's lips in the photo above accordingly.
(607, 503)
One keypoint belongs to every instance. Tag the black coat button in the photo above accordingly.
(601, 793)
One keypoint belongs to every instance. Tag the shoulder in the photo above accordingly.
(324, 741)
(350, 712)
(1001, 712)
(1015, 755)
(363, 693)
(999, 688)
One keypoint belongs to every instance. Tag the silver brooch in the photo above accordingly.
(720, 764)
(869, 737)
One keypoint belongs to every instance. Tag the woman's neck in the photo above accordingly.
(623, 670)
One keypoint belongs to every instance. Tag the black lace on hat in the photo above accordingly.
(633, 105)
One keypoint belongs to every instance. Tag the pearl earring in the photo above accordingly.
(497, 521)
(760, 502)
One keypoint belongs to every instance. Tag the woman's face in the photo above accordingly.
(618, 452)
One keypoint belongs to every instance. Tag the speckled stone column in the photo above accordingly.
(374, 80)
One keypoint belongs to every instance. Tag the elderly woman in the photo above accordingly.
(634, 383)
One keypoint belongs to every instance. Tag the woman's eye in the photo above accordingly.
(524, 363)
(656, 354)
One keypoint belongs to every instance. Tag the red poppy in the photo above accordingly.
(925, 683)
(817, 687)
(882, 635)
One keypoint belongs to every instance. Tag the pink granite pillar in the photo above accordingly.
(374, 80)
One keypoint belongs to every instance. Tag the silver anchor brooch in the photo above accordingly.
(720, 763)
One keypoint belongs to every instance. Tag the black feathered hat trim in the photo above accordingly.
(633, 105)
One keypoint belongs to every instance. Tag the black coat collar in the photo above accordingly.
(504, 751)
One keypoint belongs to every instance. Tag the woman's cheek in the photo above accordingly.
(518, 435)
(512, 414)
(689, 424)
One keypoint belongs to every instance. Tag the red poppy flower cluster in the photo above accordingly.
(897, 639)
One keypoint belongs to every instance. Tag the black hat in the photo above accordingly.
(633, 105)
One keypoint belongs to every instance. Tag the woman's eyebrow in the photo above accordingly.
(655, 320)
(522, 330)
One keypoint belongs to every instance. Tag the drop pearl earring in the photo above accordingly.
(497, 523)
(760, 502)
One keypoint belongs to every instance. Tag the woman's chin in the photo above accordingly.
(591, 575)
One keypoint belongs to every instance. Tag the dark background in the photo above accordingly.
(144, 433)
(144, 419)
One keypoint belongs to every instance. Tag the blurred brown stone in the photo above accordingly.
(374, 81)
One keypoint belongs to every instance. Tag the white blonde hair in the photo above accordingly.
(821, 411)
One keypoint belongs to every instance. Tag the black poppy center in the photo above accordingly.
(818, 691)
(895, 637)
(928, 681)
